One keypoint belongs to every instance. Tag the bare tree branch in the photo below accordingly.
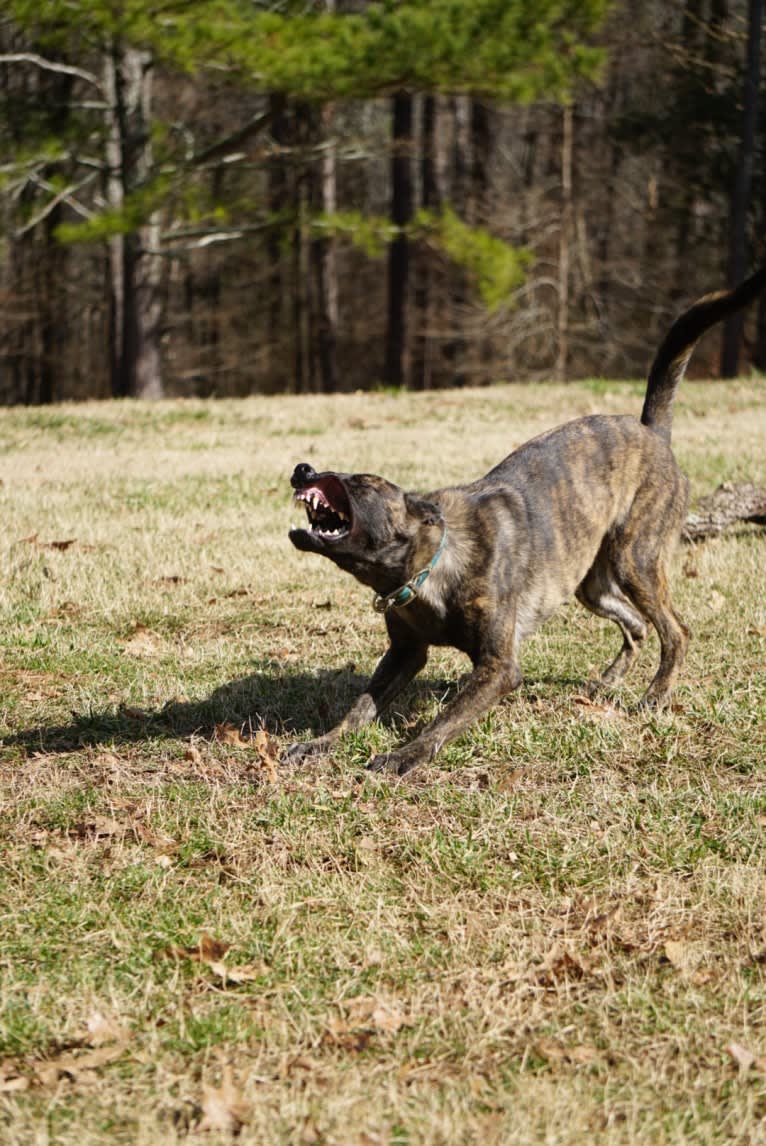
(219, 149)
(64, 196)
(722, 508)
(50, 66)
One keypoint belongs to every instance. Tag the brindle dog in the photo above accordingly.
(592, 508)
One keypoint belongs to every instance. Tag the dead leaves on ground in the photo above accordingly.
(363, 1017)
(223, 1109)
(104, 1040)
(59, 546)
(746, 1059)
(211, 952)
(579, 1054)
(265, 746)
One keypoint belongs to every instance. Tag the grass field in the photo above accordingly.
(556, 933)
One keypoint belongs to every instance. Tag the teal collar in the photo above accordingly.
(406, 594)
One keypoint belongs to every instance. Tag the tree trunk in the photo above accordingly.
(481, 150)
(422, 343)
(325, 256)
(135, 269)
(278, 199)
(325, 261)
(302, 135)
(459, 195)
(564, 240)
(740, 201)
(399, 250)
(52, 271)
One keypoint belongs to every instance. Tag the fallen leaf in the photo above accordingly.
(14, 1085)
(226, 733)
(212, 953)
(600, 921)
(146, 835)
(60, 545)
(99, 827)
(388, 1019)
(65, 609)
(102, 1030)
(685, 957)
(553, 1051)
(743, 1057)
(268, 752)
(366, 1011)
(75, 1065)
(550, 1049)
(509, 780)
(142, 642)
(12, 1081)
(594, 707)
(211, 949)
(244, 973)
(558, 964)
(223, 1109)
(716, 601)
(208, 950)
(347, 1036)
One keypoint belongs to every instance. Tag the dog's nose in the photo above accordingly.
(302, 475)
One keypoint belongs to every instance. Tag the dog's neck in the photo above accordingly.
(410, 590)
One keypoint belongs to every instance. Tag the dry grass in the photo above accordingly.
(555, 934)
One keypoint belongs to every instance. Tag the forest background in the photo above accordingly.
(226, 197)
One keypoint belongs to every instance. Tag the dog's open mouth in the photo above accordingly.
(327, 508)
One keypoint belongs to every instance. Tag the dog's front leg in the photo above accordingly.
(491, 679)
(394, 672)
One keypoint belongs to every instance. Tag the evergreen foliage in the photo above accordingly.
(513, 49)
(496, 267)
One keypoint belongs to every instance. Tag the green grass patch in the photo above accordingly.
(553, 933)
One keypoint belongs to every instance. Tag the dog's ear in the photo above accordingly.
(425, 511)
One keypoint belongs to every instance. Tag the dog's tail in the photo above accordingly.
(672, 358)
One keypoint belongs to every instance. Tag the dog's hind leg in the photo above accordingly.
(652, 596)
(642, 575)
(600, 592)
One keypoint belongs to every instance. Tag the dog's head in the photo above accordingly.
(365, 524)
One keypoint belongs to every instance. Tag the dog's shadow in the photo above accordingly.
(293, 704)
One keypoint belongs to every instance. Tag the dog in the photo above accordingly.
(593, 508)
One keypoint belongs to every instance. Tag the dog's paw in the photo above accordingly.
(305, 750)
(592, 687)
(381, 763)
(395, 763)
